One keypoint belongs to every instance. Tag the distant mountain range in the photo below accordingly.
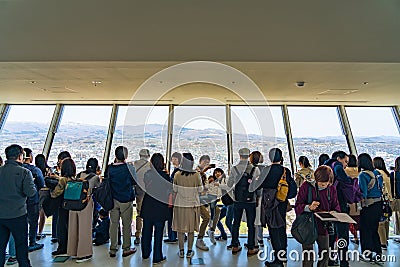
(153, 131)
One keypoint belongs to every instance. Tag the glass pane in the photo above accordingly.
(82, 132)
(140, 127)
(200, 131)
(375, 132)
(26, 125)
(316, 130)
(258, 128)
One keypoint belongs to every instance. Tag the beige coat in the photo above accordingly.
(387, 187)
(304, 174)
(186, 218)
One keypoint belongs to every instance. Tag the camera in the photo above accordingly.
(300, 84)
(330, 227)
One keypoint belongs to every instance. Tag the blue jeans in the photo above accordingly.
(147, 233)
(18, 227)
(229, 217)
(11, 247)
(250, 209)
(219, 224)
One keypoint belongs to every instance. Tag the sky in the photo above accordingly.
(305, 121)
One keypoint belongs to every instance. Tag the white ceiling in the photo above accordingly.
(334, 46)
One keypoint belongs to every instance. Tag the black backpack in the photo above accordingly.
(242, 193)
(76, 194)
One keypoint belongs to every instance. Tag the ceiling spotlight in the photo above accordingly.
(300, 83)
(32, 82)
(365, 83)
(95, 83)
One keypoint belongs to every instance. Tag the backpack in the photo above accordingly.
(283, 188)
(103, 195)
(351, 192)
(76, 194)
(304, 228)
(242, 193)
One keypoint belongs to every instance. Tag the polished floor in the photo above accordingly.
(217, 256)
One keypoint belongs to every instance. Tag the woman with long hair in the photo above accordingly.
(383, 229)
(352, 171)
(186, 219)
(371, 183)
(157, 189)
(305, 173)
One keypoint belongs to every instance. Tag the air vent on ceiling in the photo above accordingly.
(338, 92)
(58, 90)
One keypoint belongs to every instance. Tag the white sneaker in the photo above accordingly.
(201, 245)
(211, 236)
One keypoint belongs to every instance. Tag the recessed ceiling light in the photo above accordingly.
(365, 83)
(32, 82)
(95, 83)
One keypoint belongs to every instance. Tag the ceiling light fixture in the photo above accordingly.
(95, 83)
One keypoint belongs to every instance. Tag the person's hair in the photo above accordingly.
(187, 164)
(304, 160)
(40, 162)
(352, 161)
(91, 165)
(339, 154)
(379, 164)
(157, 160)
(103, 213)
(1, 161)
(397, 164)
(323, 174)
(322, 158)
(218, 170)
(121, 153)
(68, 168)
(275, 155)
(63, 155)
(28, 152)
(13, 152)
(365, 162)
(178, 156)
(204, 157)
(255, 157)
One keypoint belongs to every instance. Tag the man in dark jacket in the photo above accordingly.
(16, 184)
(269, 179)
(338, 163)
(32, 204)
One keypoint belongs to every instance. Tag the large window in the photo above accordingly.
(140, 127)
(316, 130)
(201, 130)
(82, 132)
(26, 125)
(375, 132)
(258, 128)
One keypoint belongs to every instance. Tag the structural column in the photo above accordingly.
(4, 109)
(170, 132)
(110, 135)
(346, 130)
(55, 123)
(289, 138)
(396, 114)
(229, 135)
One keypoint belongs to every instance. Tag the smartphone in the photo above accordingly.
(212, 165)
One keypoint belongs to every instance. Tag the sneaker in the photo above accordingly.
(112, 254)
(397, 240)
(169, 241)
(333, 263)
(35, 246)
(12, 261)
(161, 261)
(181, 253)
(83, 259)
(129, 252)
(355, 241)
(211, 236)
(261, 243)
(273, 264)
(190, 254)
(137, 241)
(235, 250)
(58, 252)
(252, 252)
(229, 247)
(40, 236)
(54, 240)
(201, 245)
(384, 247)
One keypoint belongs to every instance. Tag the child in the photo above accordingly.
(101, 232)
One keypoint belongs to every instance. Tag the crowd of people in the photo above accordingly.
(187, 200)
